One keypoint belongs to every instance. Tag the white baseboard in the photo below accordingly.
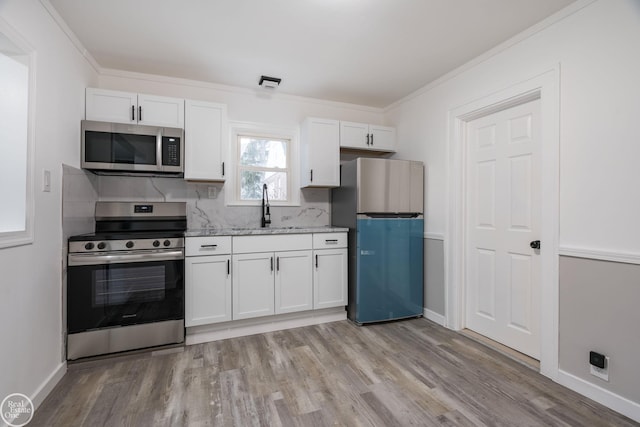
(241, 328)
(603, 396)
(47, 385)
(435, 317)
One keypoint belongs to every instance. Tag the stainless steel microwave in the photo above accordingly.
(127, 149)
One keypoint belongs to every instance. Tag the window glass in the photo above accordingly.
(263, 160)
(14, 142)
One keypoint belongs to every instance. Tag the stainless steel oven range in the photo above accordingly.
(125, 282)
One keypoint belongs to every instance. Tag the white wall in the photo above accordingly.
(30, 275)
(597, 48)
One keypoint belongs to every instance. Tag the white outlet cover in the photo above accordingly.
(603, 374)
(212, 192)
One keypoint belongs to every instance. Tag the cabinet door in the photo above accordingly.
(111, 106)
(160, 111)
(204, 130)
(253, 285)
(320, 153)
(330, 278)
(294, 282)
(382, 138)
(207, 290)
(354, 135)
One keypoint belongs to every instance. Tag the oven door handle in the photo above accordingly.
(93, 259)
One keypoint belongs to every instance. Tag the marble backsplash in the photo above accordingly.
(212, 213)
(79, 196)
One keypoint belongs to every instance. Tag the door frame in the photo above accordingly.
(546, 87)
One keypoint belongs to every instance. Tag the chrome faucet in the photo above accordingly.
(266, 215)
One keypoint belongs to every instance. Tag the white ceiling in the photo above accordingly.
(369, 52)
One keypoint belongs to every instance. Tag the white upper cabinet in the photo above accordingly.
(363, 136)
(320, 153)
(204, 134)
(160, 111)
(126, 107)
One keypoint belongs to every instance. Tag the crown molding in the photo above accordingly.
(70, 34)
(518, 38)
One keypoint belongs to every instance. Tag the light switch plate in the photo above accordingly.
(46, 181)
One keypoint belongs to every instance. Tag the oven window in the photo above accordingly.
(118, 286)
(106, 295)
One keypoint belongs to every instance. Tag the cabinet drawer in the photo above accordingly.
(329, 240)
(208, 245)
(271, 243)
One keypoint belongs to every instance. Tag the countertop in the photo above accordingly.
(241, 231)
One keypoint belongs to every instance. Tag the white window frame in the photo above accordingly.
(237, 129)
(26, 236)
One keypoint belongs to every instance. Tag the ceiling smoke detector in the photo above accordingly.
(269, 82)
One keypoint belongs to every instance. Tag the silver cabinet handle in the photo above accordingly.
(133, 113)
(140, 113)
(331, 241)
(316, 260)
(209, 247)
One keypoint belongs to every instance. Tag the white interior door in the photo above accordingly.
(503, 217)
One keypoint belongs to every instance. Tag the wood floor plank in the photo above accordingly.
(412, 372)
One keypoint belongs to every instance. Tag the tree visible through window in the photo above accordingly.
(263, 160)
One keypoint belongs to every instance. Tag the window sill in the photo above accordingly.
(10, 240)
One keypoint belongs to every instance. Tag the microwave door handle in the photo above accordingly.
(159, 149)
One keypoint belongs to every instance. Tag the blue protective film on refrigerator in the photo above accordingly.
(389, 268)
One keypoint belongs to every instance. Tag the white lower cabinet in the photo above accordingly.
(330, 278)
(330, 270)
(208, 289)
(253, 276)
(275, 282)
(207, 280)
(253, 292)
(293, 282)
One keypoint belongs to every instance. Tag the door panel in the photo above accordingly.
(503, 216)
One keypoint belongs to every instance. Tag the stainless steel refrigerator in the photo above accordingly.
(381, 201)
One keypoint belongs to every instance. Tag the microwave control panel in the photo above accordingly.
(170, 151)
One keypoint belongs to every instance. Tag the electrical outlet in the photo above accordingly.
(213, 192)
(602, 373)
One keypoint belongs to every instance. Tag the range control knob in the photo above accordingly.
(167, 243)
(129, 244)
(156, 243)
(89, 246)
(102, 245)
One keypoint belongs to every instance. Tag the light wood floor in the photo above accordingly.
(395, 374)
